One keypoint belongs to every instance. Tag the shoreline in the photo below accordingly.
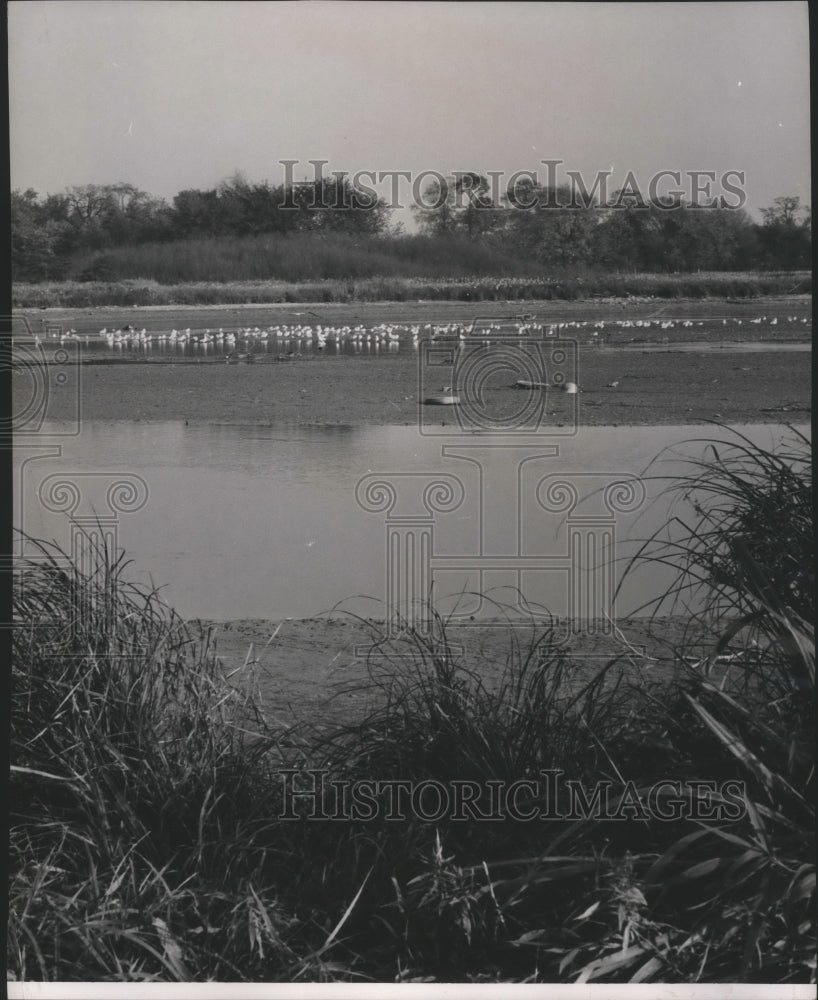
(317, 666)
(89, 319)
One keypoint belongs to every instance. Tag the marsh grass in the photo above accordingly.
(434, 719)
(147, 831)
(752, 544)
(740, 537)
(438, 716)
(142, 840)
(201, 275)
(720, 901)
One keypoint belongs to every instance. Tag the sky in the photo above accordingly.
(175, 95)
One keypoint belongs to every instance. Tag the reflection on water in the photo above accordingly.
(252, 521)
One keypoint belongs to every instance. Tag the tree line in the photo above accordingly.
(49, 232)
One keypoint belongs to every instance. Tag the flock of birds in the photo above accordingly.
(288, 340)
(293, 338)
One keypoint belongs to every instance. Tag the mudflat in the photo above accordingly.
(318, 672)
(653, 387)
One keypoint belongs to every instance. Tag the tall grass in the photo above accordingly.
(752, 544)
(142, 841)
(741, 536)
(149, 838)
(476, 277)
(721, 901)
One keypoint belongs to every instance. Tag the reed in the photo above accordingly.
(718, 901)
(141, 837)
(150, 838)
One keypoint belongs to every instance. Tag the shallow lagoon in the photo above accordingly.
(239, 521)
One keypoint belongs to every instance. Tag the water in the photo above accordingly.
(259, 522)
(757, 347)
